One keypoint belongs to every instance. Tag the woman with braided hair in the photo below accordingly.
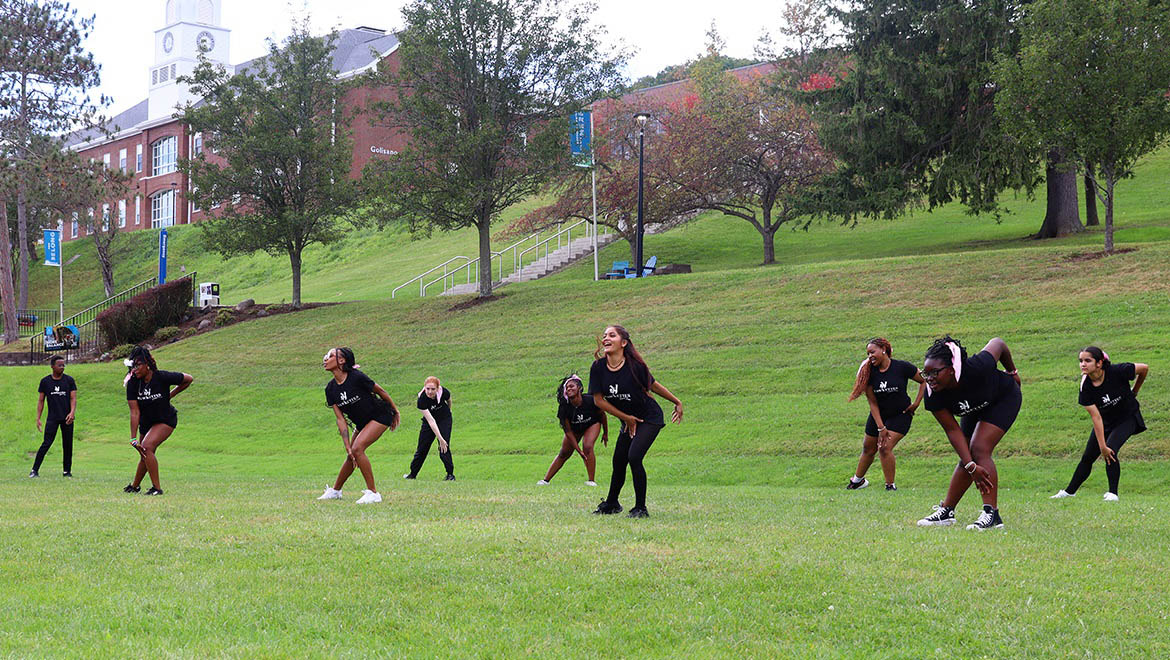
(369, 408)
(988, 400)
(152, 417)
(582, 421)
(883, 380)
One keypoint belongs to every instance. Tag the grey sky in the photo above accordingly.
(663, 32)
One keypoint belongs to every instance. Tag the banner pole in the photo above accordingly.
(60, 272)
(593, 173)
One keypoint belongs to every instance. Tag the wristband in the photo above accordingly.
(1013, 372)
(970, 467)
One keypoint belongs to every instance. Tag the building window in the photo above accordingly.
(73, 225)
(137, 210)
(194, 204)
(138, 163)
(105, 217)
(163, 153)
(89, 220)
(122, 159)
(162, 209)
(106, 160)
(197, 145)
(121, 213)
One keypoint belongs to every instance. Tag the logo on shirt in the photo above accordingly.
(883, 385)
(343, 396)
(613, 389)
(964, 407)
(1108, 400)
(145, 394)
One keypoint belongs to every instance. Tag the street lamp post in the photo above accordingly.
(642, 118)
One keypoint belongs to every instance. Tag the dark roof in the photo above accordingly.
(355, 49)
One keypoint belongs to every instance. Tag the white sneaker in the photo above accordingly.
(369, 497)
(542, 482)
(1062, 494)
(330, 494)
(591, 484)
(1110, 497)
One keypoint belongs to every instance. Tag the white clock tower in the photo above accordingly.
(192, 27)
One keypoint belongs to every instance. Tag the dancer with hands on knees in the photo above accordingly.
(369, 408)
(1114, 410)
(883, 380)
(152, 417)
(988, 400)
(621, 385)
(434, 401)
(582, 421)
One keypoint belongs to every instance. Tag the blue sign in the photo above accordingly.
(162, 257)
(581, 138)
(52, 247)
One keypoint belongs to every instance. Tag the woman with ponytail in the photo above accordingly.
(883, 380)
(1115, 413)
(434, 401)
(621, 385)
(581, 421)
(152, 417)
(988, 400)
(369, 408)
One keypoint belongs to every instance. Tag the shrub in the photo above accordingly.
(168, 333)
(190, 332)
(121, 351)
(224, 317)
(133, 320)
(274, 309)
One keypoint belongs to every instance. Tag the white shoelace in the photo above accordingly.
(985, 519)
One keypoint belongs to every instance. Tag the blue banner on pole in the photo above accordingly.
(52, 247)
(581, 138)
(162, 257)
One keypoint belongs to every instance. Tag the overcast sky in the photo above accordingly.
(664, 32)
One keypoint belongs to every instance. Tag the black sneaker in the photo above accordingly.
(154, 491)
(857, 485)
(989, 519)
(408, 476)
(68, 475)
(943, 516)
(638, 512)
(891, 487)
(131, 488)
(33, 474)
(607, 508)
(449, 477)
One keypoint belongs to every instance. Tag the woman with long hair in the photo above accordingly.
(152, 417)
(622, 386)
(883, 380)
(1114, 411)
(369, 408)
(434, 401)
(582, 421)
(988, 400)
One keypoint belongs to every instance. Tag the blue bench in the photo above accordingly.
(618, 270)
(647, 268)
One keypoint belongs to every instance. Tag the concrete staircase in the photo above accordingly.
(556, 260)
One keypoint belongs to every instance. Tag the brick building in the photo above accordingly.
(147, 141)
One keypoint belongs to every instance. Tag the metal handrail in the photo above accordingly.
(117, 297)
(418, 278)
(566, 232)
(468, 267)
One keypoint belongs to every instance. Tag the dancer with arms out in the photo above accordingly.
(1114, 411)
(988, 400)
(353, 394)
(883, 380)
(581, 421)
(152, 417)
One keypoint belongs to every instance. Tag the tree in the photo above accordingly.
(1092, 76)
(912, 119)
(483, 93)
(282, 152)
(7, 296)
(45, 78)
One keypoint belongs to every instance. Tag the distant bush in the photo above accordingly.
(275, 309)
(131, 321)
(168, 333)
(224, 317)
(121, 352)
(190, 332)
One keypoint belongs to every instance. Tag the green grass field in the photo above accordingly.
(753, 548)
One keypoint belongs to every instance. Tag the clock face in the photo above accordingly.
(168, 42)
(205, 41)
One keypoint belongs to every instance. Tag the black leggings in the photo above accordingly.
(51, 427)
(1114, 438)
(425, 438)
(631, 451)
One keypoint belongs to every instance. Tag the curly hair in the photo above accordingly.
(863, 371)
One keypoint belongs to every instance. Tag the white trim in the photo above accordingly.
(369, 67)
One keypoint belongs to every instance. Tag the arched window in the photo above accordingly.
(206, 12)
(172, 11)
(163, 154)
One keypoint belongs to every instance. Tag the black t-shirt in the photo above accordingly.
(57, 396)
(154, 398)
(625, 389)
(580, 417)
(980, 385)
(355, 397)
(1113, 398)
(441, 409)
(889, 387)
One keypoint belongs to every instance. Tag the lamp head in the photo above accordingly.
(642, 118)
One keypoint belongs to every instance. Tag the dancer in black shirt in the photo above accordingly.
(1114, 410)
(434, 401)
(581, 421)
(152, 417)
(60, 391)
(883, 380)
(369, 408)
(988, 400)
(621, 385)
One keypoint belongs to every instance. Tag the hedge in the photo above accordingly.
(133, 320)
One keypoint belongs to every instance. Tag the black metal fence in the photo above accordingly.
(31, 321)
(89, 341)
